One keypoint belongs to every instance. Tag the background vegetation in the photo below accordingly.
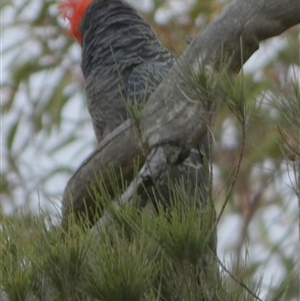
(46, 133)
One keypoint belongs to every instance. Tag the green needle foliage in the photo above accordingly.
(166, 256)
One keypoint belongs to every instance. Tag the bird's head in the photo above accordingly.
(74, 11)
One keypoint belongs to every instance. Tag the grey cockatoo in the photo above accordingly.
(123, 62)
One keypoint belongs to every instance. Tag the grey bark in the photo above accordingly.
(174, 118)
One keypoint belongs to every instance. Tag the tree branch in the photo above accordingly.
(174, 118)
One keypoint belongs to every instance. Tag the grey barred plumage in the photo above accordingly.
(123, 62)
(116, 42)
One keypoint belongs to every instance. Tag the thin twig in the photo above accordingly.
(235, 176)
(240, 282)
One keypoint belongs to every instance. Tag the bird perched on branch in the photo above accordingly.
(122, 62)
